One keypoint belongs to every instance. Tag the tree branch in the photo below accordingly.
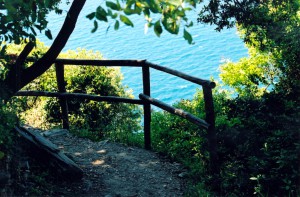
(20, 61)
(13, 77)
(43, 64)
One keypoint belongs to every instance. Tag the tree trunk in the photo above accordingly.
(16, 80)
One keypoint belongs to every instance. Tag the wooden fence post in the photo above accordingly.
(147, 107)
(62, 89)
(211, 133)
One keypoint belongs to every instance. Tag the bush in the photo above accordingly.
(258, 143)
(264, 148)
(7, 121)
(87, 118)
(99, 119)
(251, 76)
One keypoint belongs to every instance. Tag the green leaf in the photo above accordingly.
(128, 9)
(190, 24)
(113, 5)
(157, 28)
(180, 13)
(39, 27)
(33, 17)
(253, 178)
(91, 15)
(33, 31)
(95, 26)
(112, 15)
(107, 29)
(117, 24)
(170, 24)
(48, 34)
(187, 36)
(1, 155)
(154, 6)
(101, 14)
(146, 13)
(188, 9)
(126, 20)
(58, 11)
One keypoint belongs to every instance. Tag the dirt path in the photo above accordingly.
(114, 170)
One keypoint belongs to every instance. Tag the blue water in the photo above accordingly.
(201, 59)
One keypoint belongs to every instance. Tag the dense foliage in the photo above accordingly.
(257, 126)
(87, 118)
(268, 26)
(8, 120)
(257, 111)
(258, 144)
(168, 15)
(251, 76)
(23, 19)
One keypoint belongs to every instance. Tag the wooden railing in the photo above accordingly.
(145, 98)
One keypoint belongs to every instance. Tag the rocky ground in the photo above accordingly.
(110, 170)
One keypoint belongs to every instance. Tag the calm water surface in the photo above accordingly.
(202, 59)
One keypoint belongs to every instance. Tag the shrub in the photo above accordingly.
(264, 148)
(99, 119)
(7, 121)
(258, 143)
(251, 76)
(87, 118)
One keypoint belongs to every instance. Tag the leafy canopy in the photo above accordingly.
(251, 76)
(24, 19)
(20, 19)
(270, 26)
(159, 14)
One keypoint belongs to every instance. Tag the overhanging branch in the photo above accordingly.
(14, 75)
(43, 64)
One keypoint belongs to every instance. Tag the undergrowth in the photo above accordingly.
(258, 145)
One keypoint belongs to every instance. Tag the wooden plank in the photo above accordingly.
(60, 78)
(47, 152)
(182, 75)
(80, 96)
(176, 111)
(147, 108)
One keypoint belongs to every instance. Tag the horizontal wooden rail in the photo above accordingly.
(176, 111)
(87, 62)
(80, 96)
(182, 75)
(145, 99)
(133, 63)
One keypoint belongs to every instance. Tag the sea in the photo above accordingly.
(201, 59)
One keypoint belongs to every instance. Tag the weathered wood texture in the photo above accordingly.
(211, 133)
(79, 96)
(147, 107)
(182, 75)
(60, 78)
(87, 62)
(176, 111)
(47, 152)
